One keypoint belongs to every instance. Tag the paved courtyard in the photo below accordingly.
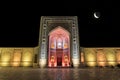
(11, 73)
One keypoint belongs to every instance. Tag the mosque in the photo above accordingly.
(59, 47)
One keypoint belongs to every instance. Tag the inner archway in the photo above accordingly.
(59, 48)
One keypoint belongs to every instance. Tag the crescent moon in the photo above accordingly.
(95, 15)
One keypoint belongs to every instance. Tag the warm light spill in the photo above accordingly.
(4, 63)
(27, 59)
(42, 63)
(111, 58)
(82, 57)
(75, 62)
(90, 57)
(5, 59)
(91, 63)
(118, 56)
(16, 59)
(101, 58)
(27, 63)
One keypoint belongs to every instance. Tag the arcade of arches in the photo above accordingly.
(89, 56)
(59, 47)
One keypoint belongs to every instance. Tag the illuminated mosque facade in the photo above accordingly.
(59, 47)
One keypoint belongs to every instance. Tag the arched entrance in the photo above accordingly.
(59, 48)
(59, 36)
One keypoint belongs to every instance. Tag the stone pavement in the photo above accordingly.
(20, 73)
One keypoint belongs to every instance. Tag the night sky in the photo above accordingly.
(20, 27)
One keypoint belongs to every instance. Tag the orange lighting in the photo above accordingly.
(5, 58)
(66, 61)
(52, 45)
(65, 45)
(52, 59)
(101, 58)
(91, 59)
(90, 56)
(118, 56)
(66, 58)
(16, 59)
(91, 63)
(15, 63)
(82, 57)
(27, 59)
(52, 62)
(111, 58)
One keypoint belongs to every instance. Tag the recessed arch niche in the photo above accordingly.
(59, 47)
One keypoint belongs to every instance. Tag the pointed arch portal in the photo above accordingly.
(59, 42)
(59, 48)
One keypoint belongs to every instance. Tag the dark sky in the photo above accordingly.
(20, 26)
